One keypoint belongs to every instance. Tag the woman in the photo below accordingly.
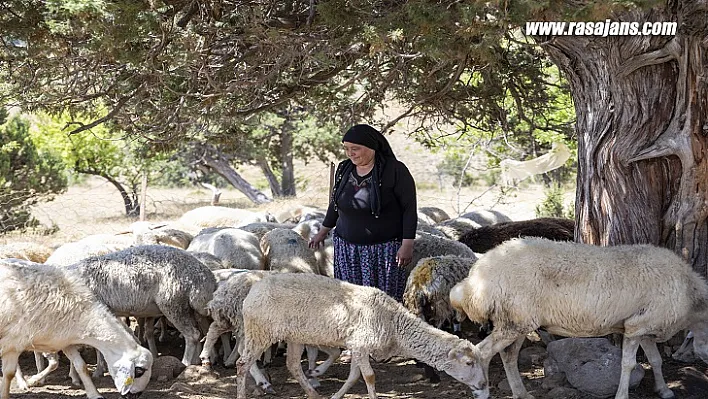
(373, 205)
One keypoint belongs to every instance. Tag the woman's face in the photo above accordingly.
(359, 155)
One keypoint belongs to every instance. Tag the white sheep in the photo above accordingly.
(287, 307)
(435, 214)
(151, 281)
(235, 247)
(285, 250)
(99, 244)
(49, 309)
(485, 217)
(581, 290)
(219, 216)
(31, 251)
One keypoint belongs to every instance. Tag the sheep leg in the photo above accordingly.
(652, 353)
(493, 344)
(9, 367)
(510, 359)
(215, 331)
(101, 366)
(354, 374)
(53, 358)
(311, 364)
(163, 329)
(149, 335)
(245, 363)
(75, 357)
(293, 364)
(185, 322)
(332, 356)
(629, 361)
(231, 360)
(75, 380)
(39, 361)
(367, 372)
(226, 346)
(260, 378)
(20, 379)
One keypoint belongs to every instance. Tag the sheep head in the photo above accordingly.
(465, 365)
(131, 373)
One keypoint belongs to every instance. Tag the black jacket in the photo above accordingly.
(396, 197)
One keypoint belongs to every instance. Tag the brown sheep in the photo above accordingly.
(484, 238)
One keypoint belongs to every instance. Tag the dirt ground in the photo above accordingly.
(397, 379)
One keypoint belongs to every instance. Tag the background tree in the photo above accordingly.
(105, 153)
(27, 174)
(162, 67)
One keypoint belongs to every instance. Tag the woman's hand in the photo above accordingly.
(404, 256)
(319, 238)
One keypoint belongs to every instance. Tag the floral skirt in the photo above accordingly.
(370, 265)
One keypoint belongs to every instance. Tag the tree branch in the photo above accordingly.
(671, 51)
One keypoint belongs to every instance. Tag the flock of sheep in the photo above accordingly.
(248, 280)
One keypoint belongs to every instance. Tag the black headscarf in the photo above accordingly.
(368, 137)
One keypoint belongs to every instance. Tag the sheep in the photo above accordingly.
(219, 216)
(236, 248)
(324, 256)
(225, 310)
(286, 251)
(285, 307)
(164, 235)
(483, 239)
(437, 215)
(300, 214)
(427, 293)
(150, 281)
(95, 245)
(427, 245)
(581, 290)
(49, 309)
(456, 227)
(31, 251)
(261, 228)
(486, 217)
(208, 260)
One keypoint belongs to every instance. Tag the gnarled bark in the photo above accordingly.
(642, 110)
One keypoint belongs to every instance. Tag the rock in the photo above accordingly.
(504, 385)
(532, 355)
(591, 365)
(197, 374)
(166, 368)
(553, 381)
(563, 393)
(693, 383)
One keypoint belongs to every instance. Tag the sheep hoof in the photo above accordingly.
(666, 393)
(314, 382)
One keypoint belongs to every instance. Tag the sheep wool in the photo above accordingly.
(46, 308)
(306, 309)
(581, 290)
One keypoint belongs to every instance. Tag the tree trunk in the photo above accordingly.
(130, 201)
(286, 157)
(223, 168)
(271, 177)
(641, 105)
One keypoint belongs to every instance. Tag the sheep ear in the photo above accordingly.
(462, 354)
